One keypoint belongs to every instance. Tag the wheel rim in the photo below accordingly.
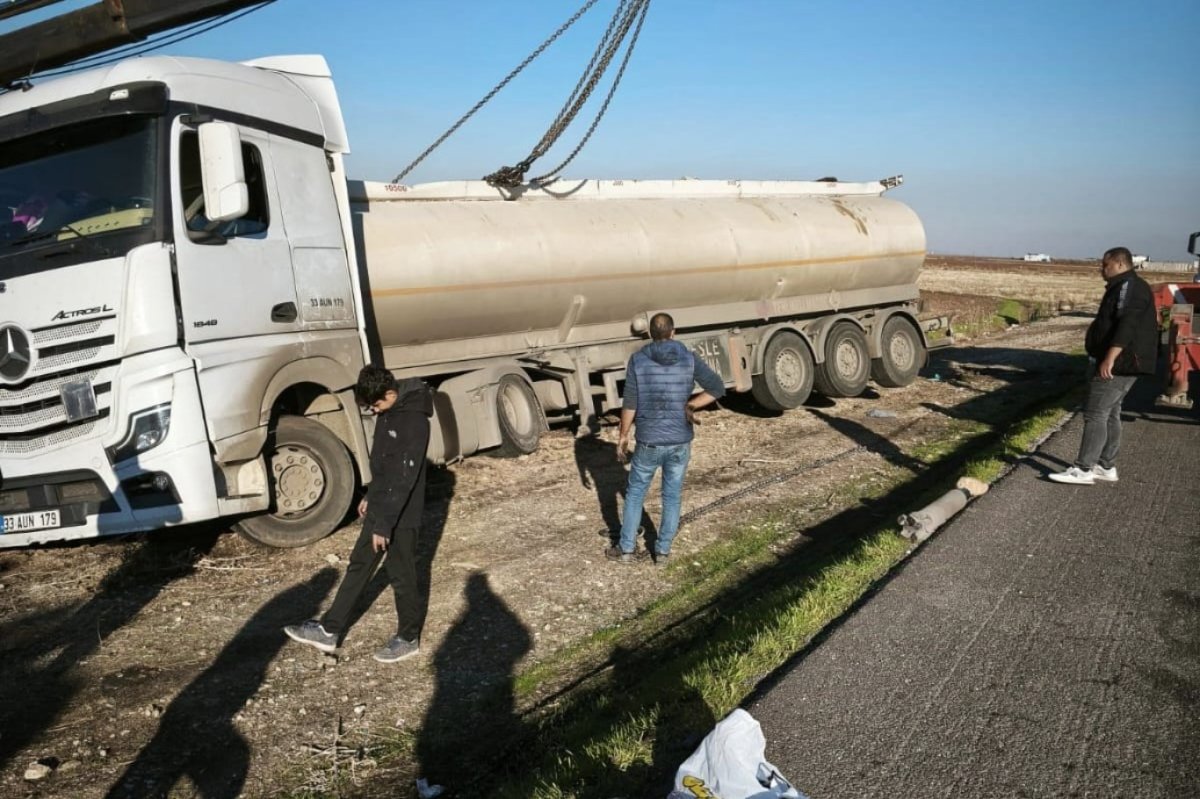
(848, 359)
(900, 351)
(299, 481)
(516, 410)
(789, 370)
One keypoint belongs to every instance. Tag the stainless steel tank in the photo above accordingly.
(459, 270)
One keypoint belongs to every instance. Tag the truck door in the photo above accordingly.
(308, 210)
(237, 300)
(235, 278)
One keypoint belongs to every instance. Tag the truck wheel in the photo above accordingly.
(902, 357)
(787, 375)
(520, 417)
(847, 366)
(311, 478)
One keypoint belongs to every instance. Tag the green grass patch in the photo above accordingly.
(1007, 312)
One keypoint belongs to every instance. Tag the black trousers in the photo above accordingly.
(400, 560)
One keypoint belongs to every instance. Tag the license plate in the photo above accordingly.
(712, 350)
(24, 522)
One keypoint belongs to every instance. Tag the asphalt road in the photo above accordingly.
(1045, 643)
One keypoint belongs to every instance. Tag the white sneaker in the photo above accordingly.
(1075, 476)
(1107, 475)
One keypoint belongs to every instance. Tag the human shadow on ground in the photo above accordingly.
(599, 470)
(472, 714)
(1053, 372)
(1008, 364)
(680, 724)
(1047, 462)
(40, 652)
(439, 493)
(196, 737)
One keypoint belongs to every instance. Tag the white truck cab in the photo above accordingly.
(175, 278)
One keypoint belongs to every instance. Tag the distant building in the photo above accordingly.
(1140, 260)
(1037, 257)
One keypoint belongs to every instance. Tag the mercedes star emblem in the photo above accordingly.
(15, 354)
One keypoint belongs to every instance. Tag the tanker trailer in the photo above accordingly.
(182, 322)
(525, 306)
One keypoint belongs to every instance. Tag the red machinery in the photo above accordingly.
(1178, 304)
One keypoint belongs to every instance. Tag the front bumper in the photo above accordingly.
(171, 484)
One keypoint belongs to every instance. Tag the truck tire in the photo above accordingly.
(902, 354)
(520, 416)
(847, 366)
(787, 375)
(311, 478)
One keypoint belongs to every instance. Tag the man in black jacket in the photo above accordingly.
(1122, 343)
(390, 512)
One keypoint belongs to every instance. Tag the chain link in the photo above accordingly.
(630, 14)
(553, 173)
(759, 485)
(553, 37)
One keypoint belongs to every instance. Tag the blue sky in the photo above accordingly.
(1052, 126)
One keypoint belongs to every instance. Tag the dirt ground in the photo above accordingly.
(154, 666)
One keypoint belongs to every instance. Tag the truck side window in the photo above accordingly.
(257, 219)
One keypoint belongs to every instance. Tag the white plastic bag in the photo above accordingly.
(730, 763)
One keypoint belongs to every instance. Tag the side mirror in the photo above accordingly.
(1192, 243)
(226, 196)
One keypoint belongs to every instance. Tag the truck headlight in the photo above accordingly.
(147, 429)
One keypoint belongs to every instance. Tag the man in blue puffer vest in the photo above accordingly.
(659, 380)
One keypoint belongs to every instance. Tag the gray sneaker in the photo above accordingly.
(397, 649)
(312, 633)
(662, 558)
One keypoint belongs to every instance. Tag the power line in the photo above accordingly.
(150, 45)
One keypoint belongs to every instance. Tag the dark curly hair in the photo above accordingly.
(374, 382)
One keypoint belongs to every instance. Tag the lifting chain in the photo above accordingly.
(629, 16)
(553, 37)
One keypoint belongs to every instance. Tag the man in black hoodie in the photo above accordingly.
(390, 512)
(1122, 343)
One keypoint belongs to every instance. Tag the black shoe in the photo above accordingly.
(615, 553)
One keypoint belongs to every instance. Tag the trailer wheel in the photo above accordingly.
(311, 478)
(787, 375)
(902, 354)
(520, 417)
(847, 366)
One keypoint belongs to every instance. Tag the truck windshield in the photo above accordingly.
(96, 180)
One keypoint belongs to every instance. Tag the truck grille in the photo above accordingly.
(32, 415)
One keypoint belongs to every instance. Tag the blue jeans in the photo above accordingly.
(646, 461)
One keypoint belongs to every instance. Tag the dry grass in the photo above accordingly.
(1051, 290)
